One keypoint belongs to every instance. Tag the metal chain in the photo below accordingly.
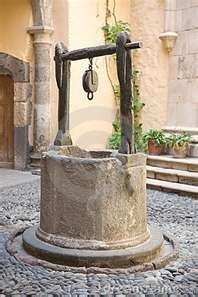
(90, 94)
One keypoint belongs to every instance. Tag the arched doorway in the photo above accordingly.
(6, 121)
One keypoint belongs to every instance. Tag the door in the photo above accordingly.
(6, 121)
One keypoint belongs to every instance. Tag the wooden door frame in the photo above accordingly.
(9, 126)
(20, 73)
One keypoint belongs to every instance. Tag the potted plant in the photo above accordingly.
(155, 141)
(179, 144)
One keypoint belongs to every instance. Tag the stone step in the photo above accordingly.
(166, 161)
(181, 189)
(173, 175)
(35, 171)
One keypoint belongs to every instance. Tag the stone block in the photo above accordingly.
(178, 21)
(183, 4)
(21, 147)
(182, 44)
(195, 66)
(188, 180)
(19, 69)
(22, 114)
(167, 177)
(22, 92)
(179, 90)
(189, 18)
(158, 163)
(150, 174)
(192, 41)
(185, 66)
(194, 89)
(193, 3)
(192, 167)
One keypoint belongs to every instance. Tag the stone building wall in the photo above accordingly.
(183, 74)
(147, 23)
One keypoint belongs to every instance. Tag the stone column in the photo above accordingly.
(41, 31)
(169, 36)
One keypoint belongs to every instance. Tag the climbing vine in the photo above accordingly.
(111, 32)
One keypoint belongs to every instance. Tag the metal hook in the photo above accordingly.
(91, 63)
(90, 95)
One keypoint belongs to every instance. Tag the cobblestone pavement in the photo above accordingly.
(173, 214)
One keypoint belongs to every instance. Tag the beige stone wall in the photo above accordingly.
(147, 22)
(183, 74)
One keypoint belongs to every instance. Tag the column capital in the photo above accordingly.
(41, 34)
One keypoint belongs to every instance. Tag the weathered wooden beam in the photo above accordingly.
(97, 51)
(124, 70)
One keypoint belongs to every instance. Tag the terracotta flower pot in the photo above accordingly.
(180, 151)
(154, 148)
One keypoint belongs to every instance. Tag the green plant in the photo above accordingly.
(178, 140)
(114, 140)
(156, 136)
(111, 31)
(137, 107)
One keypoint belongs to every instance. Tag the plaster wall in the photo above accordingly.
(15, 17)
(183, 75)
(147, 22)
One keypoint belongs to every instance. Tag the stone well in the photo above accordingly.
(93, 210)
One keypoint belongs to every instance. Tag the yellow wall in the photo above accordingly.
(147, 22)
(15, 17)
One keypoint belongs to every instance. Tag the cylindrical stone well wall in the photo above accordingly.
(93, 210)
(93, 200)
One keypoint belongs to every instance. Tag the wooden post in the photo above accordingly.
(124, 71)
(63, 81)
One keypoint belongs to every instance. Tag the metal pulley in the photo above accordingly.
(90, 81)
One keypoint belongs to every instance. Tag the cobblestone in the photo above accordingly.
(173, 214)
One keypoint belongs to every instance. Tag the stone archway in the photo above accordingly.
(19, 71)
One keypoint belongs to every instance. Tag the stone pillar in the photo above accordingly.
(41, 31)
(169, 36)
(22, 119)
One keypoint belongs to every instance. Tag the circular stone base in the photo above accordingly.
(46, 255)
(131, 256)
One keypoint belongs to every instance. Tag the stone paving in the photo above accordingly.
(19, 206)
